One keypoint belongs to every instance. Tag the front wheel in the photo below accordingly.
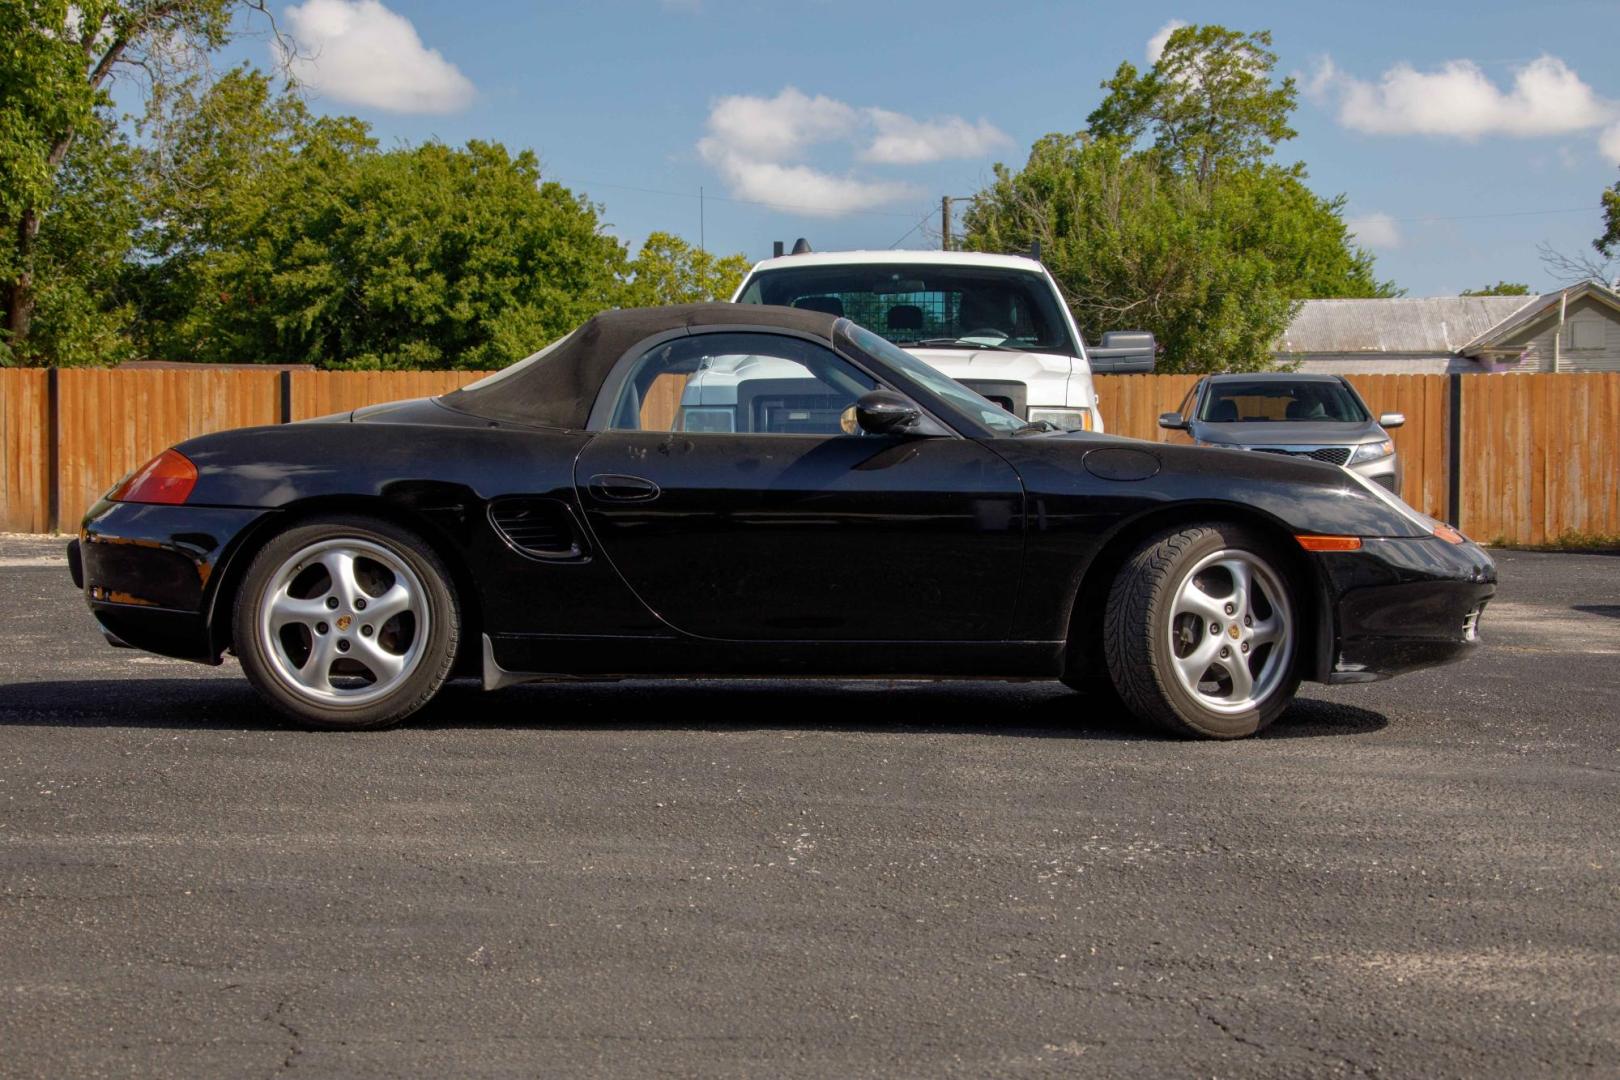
(346, 622)
(1202, 632)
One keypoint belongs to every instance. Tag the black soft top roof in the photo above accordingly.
(558, 389)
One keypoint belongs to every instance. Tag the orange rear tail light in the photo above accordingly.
(1329, 543)
(167, 479)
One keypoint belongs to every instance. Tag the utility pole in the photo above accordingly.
(945, 218)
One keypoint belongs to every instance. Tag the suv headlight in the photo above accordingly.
(1063, 419)
(1371, 451)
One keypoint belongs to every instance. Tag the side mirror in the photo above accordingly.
(1391, 419)
(884, 412)
(1124, 352)
(1172, 421)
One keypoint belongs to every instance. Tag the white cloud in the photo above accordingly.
(800, 188)
(360, 52)
(759, 146)
(1546, 98)
(1609, 144)
(778, 128)
(1156, 43)
(904, 140)
(1375, 230)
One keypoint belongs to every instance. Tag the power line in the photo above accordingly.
(731, 199)
(701, 196)
(926, 215)
(1498, 214)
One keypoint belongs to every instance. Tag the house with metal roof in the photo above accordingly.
(1574, 329)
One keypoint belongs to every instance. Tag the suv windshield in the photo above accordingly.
(1266, 400)
(938, 306)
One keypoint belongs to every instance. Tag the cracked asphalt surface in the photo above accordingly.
(1420, 877)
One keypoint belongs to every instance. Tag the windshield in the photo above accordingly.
(987, 413)
(1276, 401)
(937, 306)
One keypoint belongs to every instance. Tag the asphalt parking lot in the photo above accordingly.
(1420, 877)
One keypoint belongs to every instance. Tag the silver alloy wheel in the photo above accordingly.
(1231, 631)
(343, 622)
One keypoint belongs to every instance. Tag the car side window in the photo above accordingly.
(741, 383)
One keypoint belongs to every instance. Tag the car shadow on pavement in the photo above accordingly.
(1014, 710)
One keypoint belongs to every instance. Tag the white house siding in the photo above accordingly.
(1539, 348)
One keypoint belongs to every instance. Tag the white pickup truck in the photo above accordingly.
(996, 323)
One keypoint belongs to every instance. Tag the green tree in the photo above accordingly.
(668, 270)
(1608, 245)
(1208, 102)
(1501, 288)
(55, 68)
(1214, 272)
(1168, 214)
(212, 166)
(320, 249)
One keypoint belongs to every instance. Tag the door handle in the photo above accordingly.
(620, 488)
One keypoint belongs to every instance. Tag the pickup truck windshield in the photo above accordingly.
(963, 307)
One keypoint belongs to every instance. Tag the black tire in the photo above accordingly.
(1137, 631)
(438, 648)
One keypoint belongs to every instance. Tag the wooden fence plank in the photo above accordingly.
(23, 482)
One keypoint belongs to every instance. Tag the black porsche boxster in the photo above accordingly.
(717, 490)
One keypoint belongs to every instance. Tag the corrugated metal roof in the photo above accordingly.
(1437, 324)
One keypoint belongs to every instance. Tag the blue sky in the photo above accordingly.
(1455, 130)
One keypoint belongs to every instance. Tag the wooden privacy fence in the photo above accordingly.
(1538, 457)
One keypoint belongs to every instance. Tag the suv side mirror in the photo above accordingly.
(1391, 419)
(1124, 352)
(884, 412)
(1172, 421)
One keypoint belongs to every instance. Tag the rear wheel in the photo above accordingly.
(346, 622)
(1201, 632)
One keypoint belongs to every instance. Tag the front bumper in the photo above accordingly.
(1398, 605)
(151, 574)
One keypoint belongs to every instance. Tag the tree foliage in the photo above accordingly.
(59, 148)
(1207, 103)
(279, 236)
(668, 270)
(1608, 245)
(1168, 215)
(1501, 288)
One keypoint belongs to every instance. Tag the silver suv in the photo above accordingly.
(1314, 416)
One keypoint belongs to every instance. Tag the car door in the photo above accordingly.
(728, 494)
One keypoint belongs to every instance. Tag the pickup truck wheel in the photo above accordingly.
(346, 622)
(1201, 632)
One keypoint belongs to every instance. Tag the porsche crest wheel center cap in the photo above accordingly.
(1232, 630)
(343, 622)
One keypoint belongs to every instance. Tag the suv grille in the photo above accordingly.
(540, 527)
(1333, 455)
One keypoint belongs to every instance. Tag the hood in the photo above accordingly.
(992, 363)
(1289, 433)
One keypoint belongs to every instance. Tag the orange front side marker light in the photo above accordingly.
(167, 480)
(1329, 543)
(1448, 534)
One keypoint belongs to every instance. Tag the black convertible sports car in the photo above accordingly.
(740, 490)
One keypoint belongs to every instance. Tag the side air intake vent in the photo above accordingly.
(542, 528)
